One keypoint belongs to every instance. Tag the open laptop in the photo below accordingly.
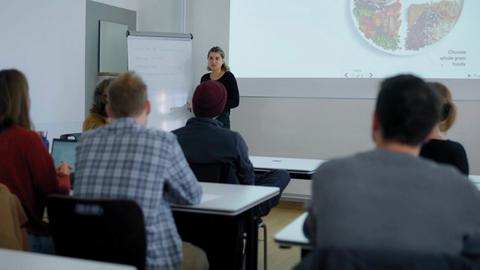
(63, 149)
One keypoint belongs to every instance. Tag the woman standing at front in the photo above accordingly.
(221, 72)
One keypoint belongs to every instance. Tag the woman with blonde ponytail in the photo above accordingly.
(440, 149)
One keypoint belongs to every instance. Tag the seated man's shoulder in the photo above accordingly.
(90, 134)
(339, 167)
(156, 134)
(445, 172)
(234, 135)
(349, 161)
(140, 134)
(223, 132)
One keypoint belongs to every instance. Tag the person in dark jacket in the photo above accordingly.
(204, 140)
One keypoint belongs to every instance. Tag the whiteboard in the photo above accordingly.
(164, 61)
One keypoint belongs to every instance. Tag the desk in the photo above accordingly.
(234, 200)
(19, 260)
(292, 234)
(298, 168)
(475, 180)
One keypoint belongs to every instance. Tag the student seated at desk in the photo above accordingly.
(125, 160)
(97, 116)
(203, 140)
(437, 148)
(389, 198)
(26, 167)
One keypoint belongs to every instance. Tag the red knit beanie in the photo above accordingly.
(209, 99)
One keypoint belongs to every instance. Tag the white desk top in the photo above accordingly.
(475, 180)
(229, 199)
(292, 234)
(289, 164)
(20, 260)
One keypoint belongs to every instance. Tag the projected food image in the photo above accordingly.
(405, 26)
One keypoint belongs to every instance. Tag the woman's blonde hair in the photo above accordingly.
(14, 100)
(218, 50)
(100, 98)
(449, 110)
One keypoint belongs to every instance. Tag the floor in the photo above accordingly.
(279, 217)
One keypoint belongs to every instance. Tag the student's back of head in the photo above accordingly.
(14, 100)
(97, 116)
(100, 98)
(127, 95)
(209, 99)
(407, 109)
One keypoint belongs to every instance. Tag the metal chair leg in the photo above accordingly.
(264, 226)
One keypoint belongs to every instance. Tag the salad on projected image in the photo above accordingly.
(405, 26)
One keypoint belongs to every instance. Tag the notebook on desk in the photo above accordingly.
(64, 150)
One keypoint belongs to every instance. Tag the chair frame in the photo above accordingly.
(215, 172)
(98, 229)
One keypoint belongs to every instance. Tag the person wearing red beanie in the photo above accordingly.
(205, 140)
(209, 99)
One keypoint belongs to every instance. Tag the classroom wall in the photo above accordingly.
(46, 40)
(160, 16)
(52, 55)
(301, 127)
(96, 12)
(153, 15)
(145, 15)
(125, 4)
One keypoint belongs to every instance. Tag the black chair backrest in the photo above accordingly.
(211, 172)
(71, 136)
(98, 229)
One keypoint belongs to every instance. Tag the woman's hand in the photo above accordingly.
(189, 105)
(64, 168)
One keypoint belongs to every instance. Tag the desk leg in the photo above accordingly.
(251, 248)
(304, 252)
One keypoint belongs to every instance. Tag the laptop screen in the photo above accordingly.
(63, 150)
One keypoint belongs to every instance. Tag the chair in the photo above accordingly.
(98, 229)
(348, 259)
(220, 173)
(12, 219)
(71, 136)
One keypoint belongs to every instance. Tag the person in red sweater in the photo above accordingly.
(26, 167)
